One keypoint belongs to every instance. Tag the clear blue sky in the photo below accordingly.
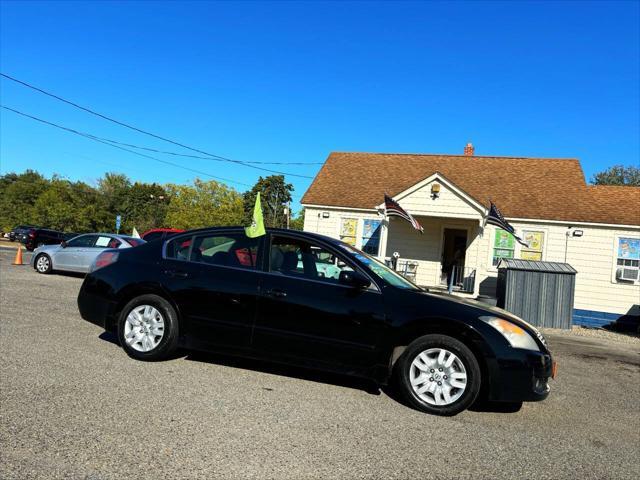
(293, 81)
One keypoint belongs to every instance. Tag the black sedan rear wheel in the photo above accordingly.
(438, 374)
(148, 328)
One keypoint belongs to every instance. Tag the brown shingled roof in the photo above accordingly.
(544, 188)
(615, 204)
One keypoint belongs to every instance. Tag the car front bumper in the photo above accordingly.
(523, 376)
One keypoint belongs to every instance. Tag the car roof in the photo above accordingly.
(115, 235)
(282, 231)
(169, 230)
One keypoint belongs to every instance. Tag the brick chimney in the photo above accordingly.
(468, 150)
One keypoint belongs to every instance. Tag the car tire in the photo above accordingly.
(438, 374)
(42, 263)
(148, 328)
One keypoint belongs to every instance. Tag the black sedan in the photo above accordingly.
(314, 301)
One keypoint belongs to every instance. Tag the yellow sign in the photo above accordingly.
(348, 230)
(534, 240)
(529, 255)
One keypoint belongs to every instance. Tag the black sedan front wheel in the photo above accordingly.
(438, 374)
(148, 328)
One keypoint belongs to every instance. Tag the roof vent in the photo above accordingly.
(468, 150)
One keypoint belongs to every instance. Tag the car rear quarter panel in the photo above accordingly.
(137, 272)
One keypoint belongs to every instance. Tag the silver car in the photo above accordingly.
(77, 254)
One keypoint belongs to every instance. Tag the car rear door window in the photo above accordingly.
(178, 248)
(226, 250)
(303, 259)
(106, 242)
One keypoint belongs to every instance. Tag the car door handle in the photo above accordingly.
(276, 293)
(176, 273)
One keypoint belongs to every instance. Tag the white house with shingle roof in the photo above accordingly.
(596, 229)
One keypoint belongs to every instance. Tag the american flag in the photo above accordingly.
(495, 217)
(393, 208)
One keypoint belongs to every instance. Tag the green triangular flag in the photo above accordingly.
(257, 223)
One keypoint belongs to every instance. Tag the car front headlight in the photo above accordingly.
(515, 335)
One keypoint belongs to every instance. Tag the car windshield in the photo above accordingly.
(380, 269)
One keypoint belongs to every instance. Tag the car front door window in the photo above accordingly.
(302, 259)
(84, 241)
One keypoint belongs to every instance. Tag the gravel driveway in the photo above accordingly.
(73, 405)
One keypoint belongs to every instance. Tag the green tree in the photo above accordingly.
(56, 208)
(275, 194)
(618, 175)
(18, 195)
(297, 223)
(114, 189)
(205, 203)
(91, 207)
(145, 207)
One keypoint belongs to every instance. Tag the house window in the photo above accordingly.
(503, 246)
(628, 260)
(349, 230)
(535, 240)
(371, 236)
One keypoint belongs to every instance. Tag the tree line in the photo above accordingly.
(29, 198)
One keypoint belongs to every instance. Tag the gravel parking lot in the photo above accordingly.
(73, 405)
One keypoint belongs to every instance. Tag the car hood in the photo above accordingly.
(488, 310)
(48, 248)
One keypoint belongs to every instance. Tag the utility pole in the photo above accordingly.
(288, 213)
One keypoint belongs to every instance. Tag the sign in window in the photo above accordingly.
(628, 260)
(349, 230)
(503, 246)
(371, 236)
(535, 240)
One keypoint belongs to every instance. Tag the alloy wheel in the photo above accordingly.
(144, 328)
(438, 376)
(42, 264)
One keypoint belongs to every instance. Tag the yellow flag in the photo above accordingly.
(256, 228)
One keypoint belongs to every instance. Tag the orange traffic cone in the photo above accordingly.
(18, 259)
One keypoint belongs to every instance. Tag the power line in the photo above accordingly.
(186, 155)
(139, 130)
(107, 142)
(96, 139)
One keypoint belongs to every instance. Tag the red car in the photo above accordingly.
(158, 233)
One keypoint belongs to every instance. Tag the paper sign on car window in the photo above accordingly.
(102, 241)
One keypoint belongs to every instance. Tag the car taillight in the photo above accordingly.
(104, 259)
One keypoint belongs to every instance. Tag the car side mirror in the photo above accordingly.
(63, 244)
(354, 279)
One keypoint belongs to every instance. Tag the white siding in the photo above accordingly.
(447, 204)
(592, 255)
(426, 249)
(314, 221)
